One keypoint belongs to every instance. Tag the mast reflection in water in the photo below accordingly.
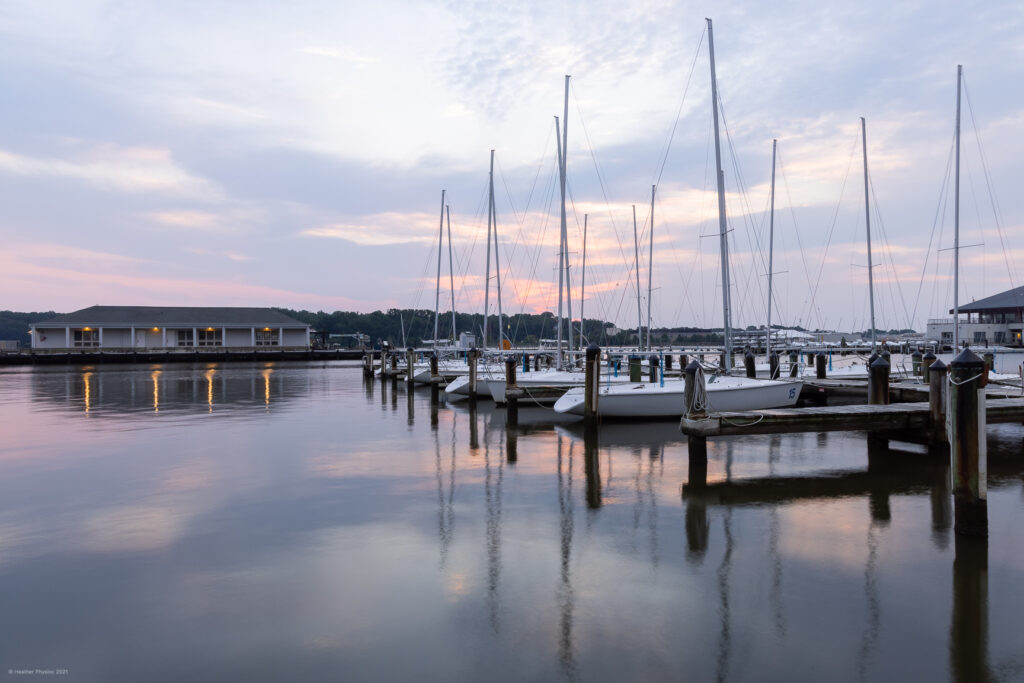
(280, 521)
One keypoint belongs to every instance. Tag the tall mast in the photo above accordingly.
(487, 277)
(956, 221)
(497, 261)
(565, 229)
(437, 293)
(561, 246)
(867, 220)
(636, 261)
(771, 241)
(650, 271)
(583, 278)
(451, 266)
(722, 229)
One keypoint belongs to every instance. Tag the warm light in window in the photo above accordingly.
(156, 329)
(209, 329)
(86, 329)
(266, 329)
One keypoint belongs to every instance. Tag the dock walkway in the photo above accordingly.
(895, 416)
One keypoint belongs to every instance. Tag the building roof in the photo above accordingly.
(1009, 300)
(169, 316)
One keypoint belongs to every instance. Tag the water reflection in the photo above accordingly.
(968, 636)
(492, 493)
(348, 530)
(115, 391)
(566, 596)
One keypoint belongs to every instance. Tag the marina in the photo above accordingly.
(269, 412)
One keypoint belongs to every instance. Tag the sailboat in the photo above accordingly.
(460, 387)
(666, 399)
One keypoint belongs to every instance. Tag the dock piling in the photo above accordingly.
(471, 357)
(819, 362)
(697, 446)
(410, 364)
(878, 382)
(511, 401)
(435, 379)
(773, 365)
(748, 363)
(591, 385)
(634, 368)
(915, 362)
(652, 365)
(936, 370)
(967, 445)
(794, 363)
(926, 362)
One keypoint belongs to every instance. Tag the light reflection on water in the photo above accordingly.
(294, 521)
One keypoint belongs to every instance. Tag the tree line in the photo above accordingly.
(412, 327)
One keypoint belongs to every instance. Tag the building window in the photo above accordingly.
(185, 338)
(87, 338)
(979, 337)
(266, 338)
(999, 337)
(947, 337)
(211, 337)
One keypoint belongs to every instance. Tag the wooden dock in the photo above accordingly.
(895, 416)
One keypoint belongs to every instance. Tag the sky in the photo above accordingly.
(294, 154)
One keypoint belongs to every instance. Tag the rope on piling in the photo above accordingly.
(971, 379)
(760, 417)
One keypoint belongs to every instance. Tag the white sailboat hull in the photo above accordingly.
(652, 400)
(546, 378)
(459, 387)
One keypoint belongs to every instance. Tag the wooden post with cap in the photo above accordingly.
(967, 446)
(591, 385)
(697, 446)
(511, 401)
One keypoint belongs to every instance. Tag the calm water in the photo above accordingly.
(295, 522)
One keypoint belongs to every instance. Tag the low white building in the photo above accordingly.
(134, 328)
(997, 319)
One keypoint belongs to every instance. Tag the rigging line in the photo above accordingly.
(596, 292)
(832, 228)
(746, 207)
(996, 213)
(464, 274)
(679, 111)
(977, 215)
(747, 213)
(597, 170)
(935, 221)
(888, 245)
(948, 292)
(539, 242)
(513, 244)
(796, 227)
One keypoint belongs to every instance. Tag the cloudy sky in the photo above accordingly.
(293, 154)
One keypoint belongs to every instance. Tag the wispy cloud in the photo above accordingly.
(124, 169)
(344, 54)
